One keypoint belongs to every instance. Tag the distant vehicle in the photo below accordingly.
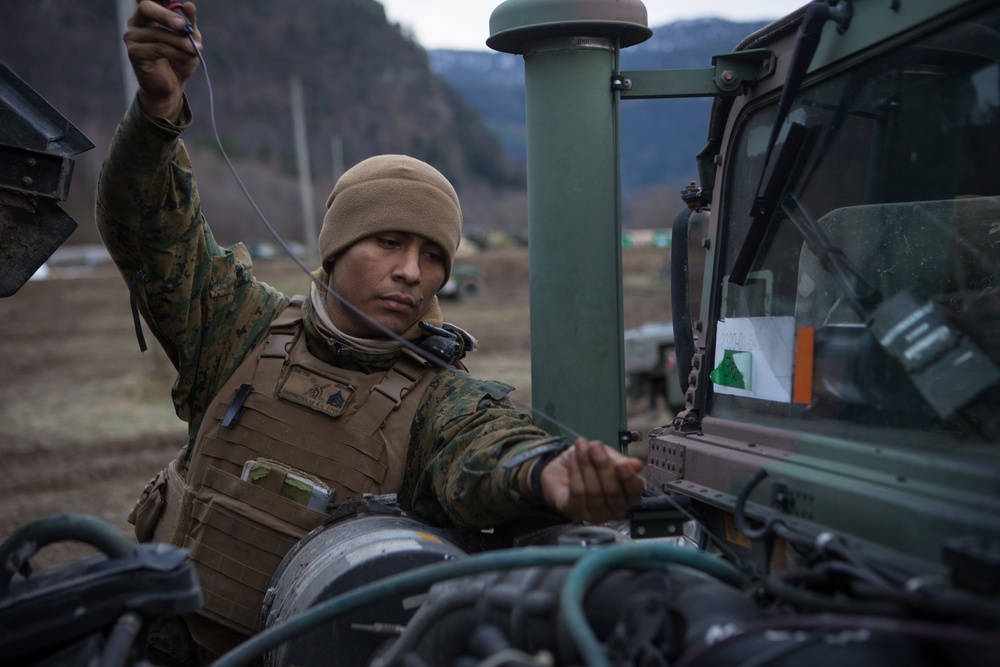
(651, 366)
(463, 283)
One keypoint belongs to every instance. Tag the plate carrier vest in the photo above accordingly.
(284, 412)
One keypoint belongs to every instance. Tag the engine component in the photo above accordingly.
(93, 608)
(640, 617)
(343, 555)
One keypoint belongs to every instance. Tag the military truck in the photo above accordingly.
(463, 283)
(846, 383)
(839, 441)
(830, 492)
(651, 368)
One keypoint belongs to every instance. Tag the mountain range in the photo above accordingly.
(660, 138)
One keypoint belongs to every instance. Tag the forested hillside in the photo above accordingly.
(367, 88)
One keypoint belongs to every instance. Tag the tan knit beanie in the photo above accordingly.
(391, 193)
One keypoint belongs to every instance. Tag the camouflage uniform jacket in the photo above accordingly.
(207, 310)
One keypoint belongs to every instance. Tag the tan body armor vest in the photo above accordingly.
(287, 436)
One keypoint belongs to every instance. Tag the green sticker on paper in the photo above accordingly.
(734, 370)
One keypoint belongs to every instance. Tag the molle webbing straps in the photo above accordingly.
(279, 343)
(385, 397)
(271, 360)
(388, 394)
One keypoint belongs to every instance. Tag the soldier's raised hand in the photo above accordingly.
(162, 56)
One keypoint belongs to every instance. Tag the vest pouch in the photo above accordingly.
(289, 483)
(238, 535)
(149, 507)
(157, 512)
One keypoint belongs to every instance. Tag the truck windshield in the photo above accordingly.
(895, 192)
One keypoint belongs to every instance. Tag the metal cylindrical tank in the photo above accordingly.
(570, 50)
(337, 558)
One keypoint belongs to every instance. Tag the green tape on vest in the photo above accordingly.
(734, 370)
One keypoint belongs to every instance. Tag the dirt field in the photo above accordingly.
(86, 420)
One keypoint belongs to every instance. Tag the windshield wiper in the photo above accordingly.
(816, 15)
(765, 206)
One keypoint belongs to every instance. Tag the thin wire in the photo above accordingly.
(425, 354)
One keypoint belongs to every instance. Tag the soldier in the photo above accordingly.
(294, 404)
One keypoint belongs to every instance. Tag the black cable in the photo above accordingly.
(839, 548)
(739, 511)
(792, 536)
(771, 526)
(945, 604)
(703, 651)
(865, 585)
(855, 573)
(782, 586)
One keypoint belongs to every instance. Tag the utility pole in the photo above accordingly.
(125, 9)
(337, 153)
(302, 160)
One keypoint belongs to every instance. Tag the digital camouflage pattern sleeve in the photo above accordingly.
(464, 433)
(200, 300)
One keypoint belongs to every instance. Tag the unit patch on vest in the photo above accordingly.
(306, 387)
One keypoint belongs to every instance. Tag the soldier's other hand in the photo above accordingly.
(162, 56)
(592, 482)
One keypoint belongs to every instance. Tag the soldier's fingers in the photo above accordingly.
(601, 488)
(151, 44)
(154, 24)
(601, 484)
(592, 493)
(585, 498)
(149, 13)
(607, 497)
(632, 485)
(620, 480)
(192, 14)
(576, 503)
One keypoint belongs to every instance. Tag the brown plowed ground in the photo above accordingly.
(86, 420)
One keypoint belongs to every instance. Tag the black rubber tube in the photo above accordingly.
(27, 540)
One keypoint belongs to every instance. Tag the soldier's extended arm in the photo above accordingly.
(476, 456)
(467, 431)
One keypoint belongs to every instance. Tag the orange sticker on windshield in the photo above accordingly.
(805, 354)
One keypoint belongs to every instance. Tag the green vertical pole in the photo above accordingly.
(574, 221)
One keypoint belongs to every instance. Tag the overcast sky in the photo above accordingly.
(465, 24)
